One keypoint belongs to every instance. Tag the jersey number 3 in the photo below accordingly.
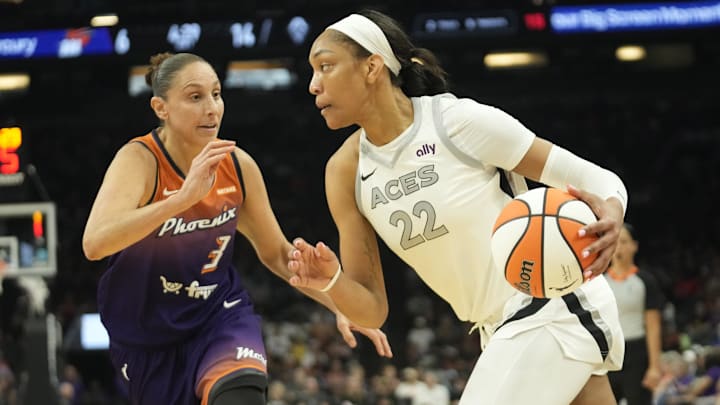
(216, 254)
(407, 240)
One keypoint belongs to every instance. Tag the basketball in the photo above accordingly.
(535, 242)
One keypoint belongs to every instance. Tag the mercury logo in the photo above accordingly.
(248, 353)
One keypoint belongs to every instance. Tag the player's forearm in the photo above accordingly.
(358, 303)
(653, 337)
(111, 234)
(564, 167)
(321, 298)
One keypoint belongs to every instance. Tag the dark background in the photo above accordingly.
(654, 123)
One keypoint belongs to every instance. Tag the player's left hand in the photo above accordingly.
(652, 378)
(377, 336)
(607, 228)
(313, 266)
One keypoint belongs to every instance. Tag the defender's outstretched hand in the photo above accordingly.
(312, 266)
(376, 336)
(610, 221)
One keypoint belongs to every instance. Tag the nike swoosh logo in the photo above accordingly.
(365, 177)
(124, 372)
(228, 305)
(167, 192)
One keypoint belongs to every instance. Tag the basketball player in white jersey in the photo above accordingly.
(422, 172)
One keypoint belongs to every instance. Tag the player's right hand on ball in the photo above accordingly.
(312, 266)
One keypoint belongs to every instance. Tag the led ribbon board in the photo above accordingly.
(634, 17)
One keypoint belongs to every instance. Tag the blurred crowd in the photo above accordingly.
(664, 146)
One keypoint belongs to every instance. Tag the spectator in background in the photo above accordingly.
(704, 388)
(385, 384)
(431, 392)
(71, 387)
(640, 302)
(675, 380)
(310, 393)
(687, 389)
(421, 336)
(276, 393)
(8, 387)
(409, 387)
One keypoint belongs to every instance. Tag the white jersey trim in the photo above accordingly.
(443, 135)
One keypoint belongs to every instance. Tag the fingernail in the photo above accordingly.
(587, 274)
(581, 232)
(585, 253)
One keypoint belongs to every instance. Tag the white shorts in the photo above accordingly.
(548, 346)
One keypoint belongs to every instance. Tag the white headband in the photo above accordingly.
(366, 33)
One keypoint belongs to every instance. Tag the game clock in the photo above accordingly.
(231, 37)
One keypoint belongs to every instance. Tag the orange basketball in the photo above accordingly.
(535, 242)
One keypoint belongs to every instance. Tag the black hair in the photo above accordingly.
(420, 73)
(163, 69)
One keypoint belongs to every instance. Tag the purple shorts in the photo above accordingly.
(184, 373)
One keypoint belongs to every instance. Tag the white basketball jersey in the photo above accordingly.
(435, 205)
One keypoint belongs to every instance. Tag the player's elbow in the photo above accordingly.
(374, 312)
(375, 319)
(378, 322)
(365, 314)
(92, 248)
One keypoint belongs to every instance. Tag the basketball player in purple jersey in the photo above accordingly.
(182, 326)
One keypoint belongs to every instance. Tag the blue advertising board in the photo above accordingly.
(64, 43)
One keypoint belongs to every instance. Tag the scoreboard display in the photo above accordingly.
(229, 37)
(288, 34)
